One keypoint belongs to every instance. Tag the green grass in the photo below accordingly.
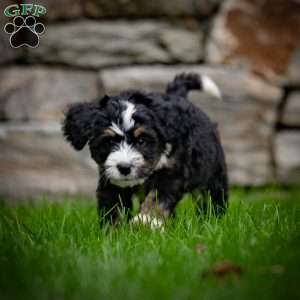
(57, 251)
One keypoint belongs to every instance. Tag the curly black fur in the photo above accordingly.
(183, 83)
(182, 151)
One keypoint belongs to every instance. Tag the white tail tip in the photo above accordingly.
(210, 87)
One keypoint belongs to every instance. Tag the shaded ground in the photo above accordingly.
(57, 251)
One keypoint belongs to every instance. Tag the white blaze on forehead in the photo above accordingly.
(116, 129)
(128, 121)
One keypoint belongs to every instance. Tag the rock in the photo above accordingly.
(8, 54)
(110, 43)
(3, 5)
(246, 116)
(60, 9)
(287, 155)
(144, 8)
(293, 71)
(291, 113)
(40, 93)
(263, 36)
(35, 161)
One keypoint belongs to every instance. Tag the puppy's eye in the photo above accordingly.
(113, 142)
(141, 141)
(110, 141)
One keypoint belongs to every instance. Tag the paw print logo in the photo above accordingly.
(24, 32)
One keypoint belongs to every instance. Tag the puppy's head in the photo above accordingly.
(123, 135)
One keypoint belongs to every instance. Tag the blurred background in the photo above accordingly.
(251, 48)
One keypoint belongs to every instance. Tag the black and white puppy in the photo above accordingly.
(158, 140)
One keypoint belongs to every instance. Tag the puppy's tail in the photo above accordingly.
(185, 82)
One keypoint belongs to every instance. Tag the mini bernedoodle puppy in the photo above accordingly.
(158, 140)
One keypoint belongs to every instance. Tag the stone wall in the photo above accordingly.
(250, 48)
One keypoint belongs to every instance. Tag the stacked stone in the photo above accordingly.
(94, 47)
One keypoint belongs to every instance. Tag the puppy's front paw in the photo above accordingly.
(146, 219)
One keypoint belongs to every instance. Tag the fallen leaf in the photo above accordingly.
(200, 248)
(225, 268)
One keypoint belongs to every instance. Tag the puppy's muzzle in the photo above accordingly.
(124, 168)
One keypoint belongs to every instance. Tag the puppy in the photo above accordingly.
(158, 140)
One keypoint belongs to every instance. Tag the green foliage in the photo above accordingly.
(56, 250)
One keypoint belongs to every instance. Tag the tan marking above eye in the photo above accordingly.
(109, 132)
(138, 131)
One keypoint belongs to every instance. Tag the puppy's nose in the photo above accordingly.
(124, 168)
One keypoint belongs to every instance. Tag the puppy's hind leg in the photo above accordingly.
(218, 192)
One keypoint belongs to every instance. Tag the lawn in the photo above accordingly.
(56, 250)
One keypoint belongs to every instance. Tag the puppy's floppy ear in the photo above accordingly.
(78, 123)
(103, 101)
